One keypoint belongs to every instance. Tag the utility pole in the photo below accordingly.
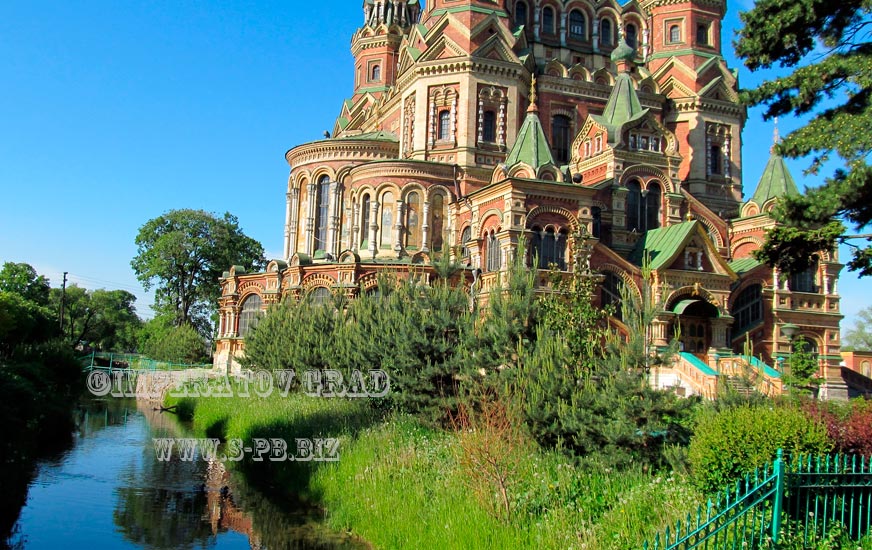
(63, 299)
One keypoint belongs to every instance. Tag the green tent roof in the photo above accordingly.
(776, 181)
(531, 147)
(622, 108)
(662, 244)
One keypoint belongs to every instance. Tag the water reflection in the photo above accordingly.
(110, 491)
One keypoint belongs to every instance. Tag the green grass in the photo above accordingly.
(397, 481)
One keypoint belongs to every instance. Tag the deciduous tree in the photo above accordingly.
(182, 254)
(860, 337)
(22, 279)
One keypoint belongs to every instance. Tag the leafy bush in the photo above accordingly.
(730, 443)
(162, 341)
(849, 425)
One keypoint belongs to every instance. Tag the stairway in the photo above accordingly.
(740, 386)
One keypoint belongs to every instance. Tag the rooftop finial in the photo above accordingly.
(533, 107)
(776, 137)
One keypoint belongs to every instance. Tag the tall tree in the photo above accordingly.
(183, 253)
(859, 337)
(827, 45)
(104, 319)
(22, 279)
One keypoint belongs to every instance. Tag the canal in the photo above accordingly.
(109, 490)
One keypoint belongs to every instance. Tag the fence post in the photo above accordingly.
(777, 504)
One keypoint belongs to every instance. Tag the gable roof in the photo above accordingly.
(662, 244)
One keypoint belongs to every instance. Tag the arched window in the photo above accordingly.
(634, 206)
(520, 14)
(489, 127)
(493, 252)
(364, 221)
(866, 369)
(804, 281)
(576, 25)
(548, 20)
(674, 34)
(413, 220)
(715, 158)
(465, 236)
(605, 32)
(610, 294)
(387, 219)
(631, 35)
(702, 34)
(748, 309)
(549, 246)
(597, 227)
(561, 130)
(322, 213)
(376, 73)
(320, 295)
(251, 310)
(652, 207)
(438, 222)
(444, 125)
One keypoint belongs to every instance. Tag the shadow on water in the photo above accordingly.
(119, 495)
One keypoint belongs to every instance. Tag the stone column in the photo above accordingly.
(660, 328)
(645, 34)
(287, 248)
(708, 161)
(398, 228)
(563, 28)
(432, 126)
(726, 153)
(480, 121)
(595, 35)
(355, 227)
(335, 219)
(536, 14)
(310, 218)
(373, 227)
(720, 326)
(425, 228)
(294, 222)
(502, 126)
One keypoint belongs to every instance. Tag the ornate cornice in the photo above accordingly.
(346, 149)
(404, 168)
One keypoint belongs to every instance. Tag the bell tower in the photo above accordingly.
(376, 44)
(707, 117)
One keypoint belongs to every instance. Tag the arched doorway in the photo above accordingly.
(694, 321)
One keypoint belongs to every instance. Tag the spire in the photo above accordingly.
(776, 138)
(531, 147)
(533, 108)
(622, 108)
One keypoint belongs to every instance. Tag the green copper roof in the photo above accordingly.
(744, 265)
(776, 181)
(662, 244)
(623, 107)
(531, 147)
(380, 135)
(623, 52)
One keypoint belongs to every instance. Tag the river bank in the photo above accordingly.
(398, 481)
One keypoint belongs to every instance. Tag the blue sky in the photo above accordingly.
(113, 112)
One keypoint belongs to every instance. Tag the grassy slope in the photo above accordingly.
(398, 483)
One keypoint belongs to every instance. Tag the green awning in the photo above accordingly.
(683, 305)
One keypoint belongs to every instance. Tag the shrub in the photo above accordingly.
(162, 341)
(733, 442)
(849, 425)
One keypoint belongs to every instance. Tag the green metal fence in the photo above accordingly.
(817, 493)
(132, 362)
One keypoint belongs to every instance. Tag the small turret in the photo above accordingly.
(403, 13)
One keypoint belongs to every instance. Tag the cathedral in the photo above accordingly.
(608, 137)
